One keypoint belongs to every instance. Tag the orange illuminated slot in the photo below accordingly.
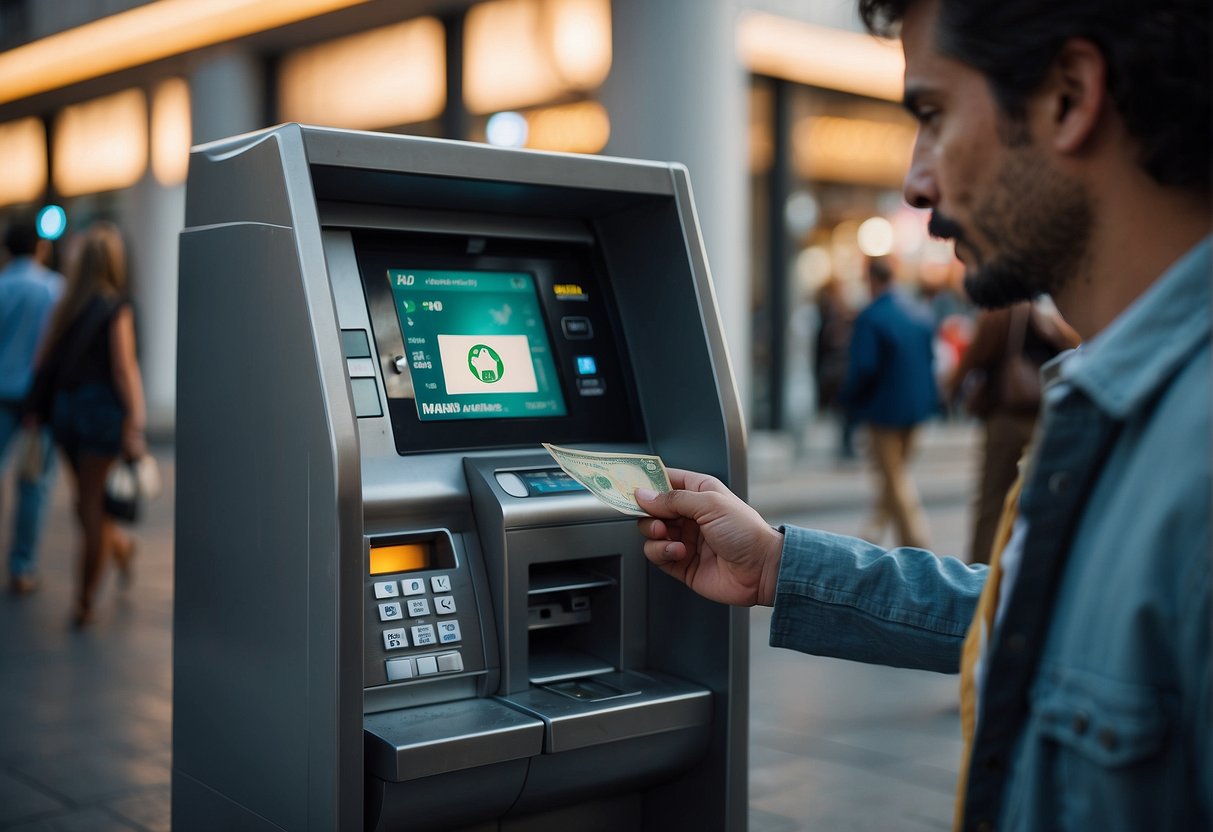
(403, 557)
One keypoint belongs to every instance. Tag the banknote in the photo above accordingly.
(613, 477)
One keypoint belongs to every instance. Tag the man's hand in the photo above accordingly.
(707, 537)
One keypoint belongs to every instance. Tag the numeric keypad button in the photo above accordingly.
(448, 632)
(423, 635)
(390, 612)
(394, 639)
(413, 586)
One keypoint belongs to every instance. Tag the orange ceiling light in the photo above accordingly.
(820, 57)
(375, 79)
(520, 53)
(141, 35)
(100, 145)
(23, 149)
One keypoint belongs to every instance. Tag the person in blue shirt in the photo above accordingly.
(28, 293)
(1063, 145)
(890, 388)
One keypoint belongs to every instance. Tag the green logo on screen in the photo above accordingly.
(485, 364)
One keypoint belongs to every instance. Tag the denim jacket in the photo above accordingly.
(1096, 710)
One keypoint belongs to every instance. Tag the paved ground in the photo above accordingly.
(85, 718)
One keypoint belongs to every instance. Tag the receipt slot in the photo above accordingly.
(393, 611)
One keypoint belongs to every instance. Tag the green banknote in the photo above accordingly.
(613, 478)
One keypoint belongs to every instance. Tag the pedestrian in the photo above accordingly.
(890, 388)
(1064, 147)
(835, 320)
(89, 383)
(28, 292)
(1000, 374)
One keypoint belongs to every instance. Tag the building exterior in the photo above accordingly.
(783, 111)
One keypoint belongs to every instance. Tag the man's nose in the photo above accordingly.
(920, 188)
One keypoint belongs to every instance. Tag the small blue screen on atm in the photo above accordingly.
(475, 344)
(552, 481)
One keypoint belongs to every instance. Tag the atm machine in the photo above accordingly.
(393, 611)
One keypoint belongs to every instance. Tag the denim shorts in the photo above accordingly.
(88, 420)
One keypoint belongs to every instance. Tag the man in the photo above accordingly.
(890, 387)
(1064, 146)
(28, 292)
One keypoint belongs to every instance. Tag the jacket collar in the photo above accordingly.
(1124, 365)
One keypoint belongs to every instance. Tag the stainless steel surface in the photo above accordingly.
(649, 704)
(407, 744)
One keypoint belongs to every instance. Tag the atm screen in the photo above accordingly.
(477, 345)
(494, 342)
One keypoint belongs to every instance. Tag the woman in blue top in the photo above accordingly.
(97, 411)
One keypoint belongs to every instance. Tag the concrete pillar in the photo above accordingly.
(677, 93)
(227, 95)
(152, 217)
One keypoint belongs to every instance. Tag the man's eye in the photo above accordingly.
(926, 116)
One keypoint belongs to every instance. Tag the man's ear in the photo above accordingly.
(1077, 94)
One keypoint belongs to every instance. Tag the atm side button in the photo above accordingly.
(577, 328)
(427, 666)
(450, 662)
(398, 669)
(591, 386)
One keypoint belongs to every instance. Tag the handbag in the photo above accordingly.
(1018, 376)
(129, 483)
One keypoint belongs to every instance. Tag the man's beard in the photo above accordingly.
(1038, 225)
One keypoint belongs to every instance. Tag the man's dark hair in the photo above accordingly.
(1157, 54)
(21, 237)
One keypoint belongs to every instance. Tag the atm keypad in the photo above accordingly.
(412, 600)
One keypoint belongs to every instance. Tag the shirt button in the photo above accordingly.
(1080, 723)
(1108, 739)
(1059, 483)
(985, 826)
(991, 763)
(1016, 642)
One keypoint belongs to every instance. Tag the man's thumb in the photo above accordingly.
(657, 503)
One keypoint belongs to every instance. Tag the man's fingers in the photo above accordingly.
(664, 551)
(656, 529)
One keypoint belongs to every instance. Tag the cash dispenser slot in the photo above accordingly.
(563, 601)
